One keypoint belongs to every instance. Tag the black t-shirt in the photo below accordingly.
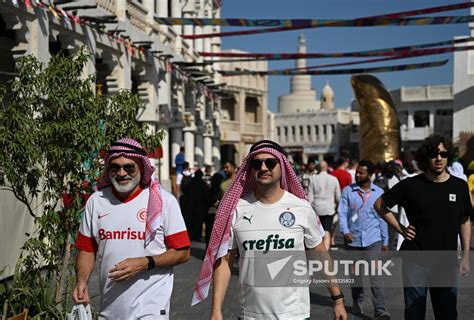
(435, 209)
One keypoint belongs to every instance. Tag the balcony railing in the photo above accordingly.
(253, 128)
(227, 125)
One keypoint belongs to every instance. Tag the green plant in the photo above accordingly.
(52, 126)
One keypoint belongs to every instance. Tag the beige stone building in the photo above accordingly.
(243, 109)
(150, 59)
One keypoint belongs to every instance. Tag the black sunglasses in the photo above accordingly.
(443, 154)
(270, 163)
(129, 168)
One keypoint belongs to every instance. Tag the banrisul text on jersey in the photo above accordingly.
(273, 242)
(121, 234)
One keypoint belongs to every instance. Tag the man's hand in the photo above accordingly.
(128, 268)
(339, 310)
(464, 267)
(348, 237)
(384, 248)
(409, 232)
(80, 294)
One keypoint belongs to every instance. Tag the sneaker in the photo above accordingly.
(383, 315)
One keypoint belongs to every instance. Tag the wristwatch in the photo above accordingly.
(151, 263)
(337, 297)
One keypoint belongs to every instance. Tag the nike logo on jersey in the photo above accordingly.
(249, 219)
(100, 216)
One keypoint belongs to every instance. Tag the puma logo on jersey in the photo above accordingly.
(100, 216)
(273, 242)
(248, 219)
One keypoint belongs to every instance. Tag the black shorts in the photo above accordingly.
(326, 222)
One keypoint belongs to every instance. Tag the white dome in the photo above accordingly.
(327, 97)
(327, 90)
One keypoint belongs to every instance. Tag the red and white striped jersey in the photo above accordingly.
(114, 228)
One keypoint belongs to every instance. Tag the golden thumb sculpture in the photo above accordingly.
(379, 125)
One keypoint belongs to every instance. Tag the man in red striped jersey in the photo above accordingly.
(136, 231)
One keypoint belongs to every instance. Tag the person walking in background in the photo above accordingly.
(457, 170)
(352, 169)
(324, 195)
(305, 176)
(438, 208)
(183, 175)
(229, 171)
(183, 181)
(364, 231)
(341, 173)
(264, 200)
(179, 161)
(199, 204)
(344, 179)
(136, 231)
(207, 175)
(214, 199)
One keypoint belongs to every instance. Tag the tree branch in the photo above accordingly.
(24, 201)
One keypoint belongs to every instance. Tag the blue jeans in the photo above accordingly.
(371, 253)
(416, 283)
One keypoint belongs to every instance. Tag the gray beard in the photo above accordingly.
(129, 187)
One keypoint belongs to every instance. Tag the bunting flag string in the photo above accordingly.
(411, 54)
(316, 23)
(401, 14)
(357, 54)
(402, 67)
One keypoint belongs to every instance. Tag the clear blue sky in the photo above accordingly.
(342, 40)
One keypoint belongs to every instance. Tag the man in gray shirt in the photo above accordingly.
(324, 194)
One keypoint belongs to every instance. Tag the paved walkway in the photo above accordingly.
(321, 305)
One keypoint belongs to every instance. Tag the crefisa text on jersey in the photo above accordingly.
(273, 242)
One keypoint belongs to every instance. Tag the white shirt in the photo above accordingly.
(288, 225)
(115, 230)
(353, 174)
(324, 193)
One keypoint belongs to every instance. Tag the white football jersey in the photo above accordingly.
(258, 229)
(115, 230)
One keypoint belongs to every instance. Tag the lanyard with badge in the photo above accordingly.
(365, 197)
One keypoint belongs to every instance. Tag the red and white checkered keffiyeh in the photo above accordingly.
(132, 149)
(243, 184)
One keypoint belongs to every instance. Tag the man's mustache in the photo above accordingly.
(261, 173)
(123, 178)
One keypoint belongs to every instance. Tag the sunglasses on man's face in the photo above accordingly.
(129, 168)
(270, 163)
(443, 154)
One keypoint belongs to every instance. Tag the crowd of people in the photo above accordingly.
(199, 192)
(138, 231)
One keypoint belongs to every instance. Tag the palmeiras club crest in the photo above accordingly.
(287, 219)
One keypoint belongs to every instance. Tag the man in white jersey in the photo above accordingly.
(137, 232)
(273, 215)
